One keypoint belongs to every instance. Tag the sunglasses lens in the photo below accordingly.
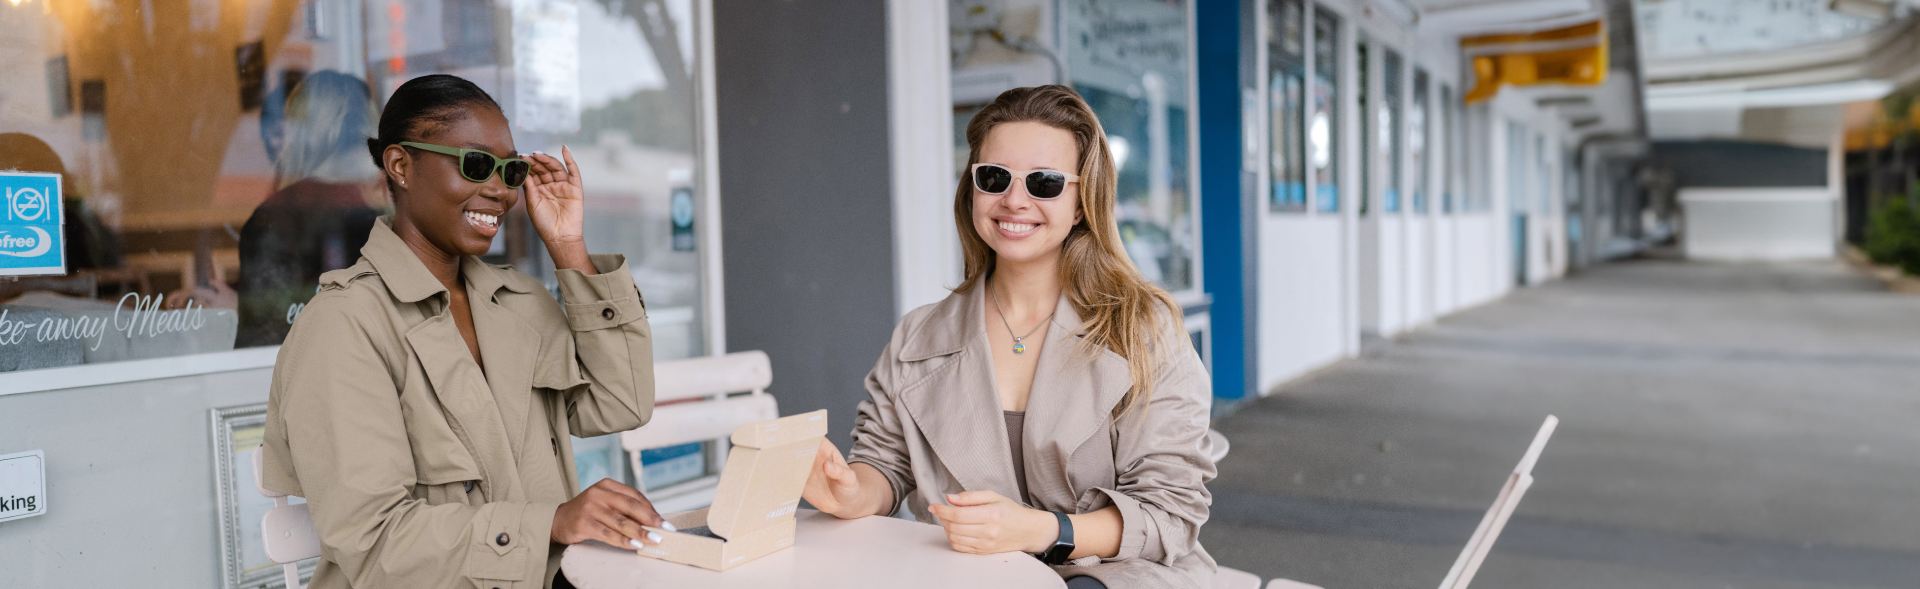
(1046, 184)
(515, 173)
(476, 166)
(992, 179)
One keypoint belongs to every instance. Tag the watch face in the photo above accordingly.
(1057, 554)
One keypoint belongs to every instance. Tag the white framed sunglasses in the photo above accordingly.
(1041, 184)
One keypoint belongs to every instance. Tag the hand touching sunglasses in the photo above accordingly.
(1041, 184)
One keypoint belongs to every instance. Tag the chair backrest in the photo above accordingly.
(1503, 505)
(1220, 445)
(287, 531)
(691, 402)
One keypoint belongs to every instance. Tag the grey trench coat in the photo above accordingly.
(420, 469)
(933, 426)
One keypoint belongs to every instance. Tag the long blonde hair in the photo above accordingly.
(329, 117)
(1120, 309)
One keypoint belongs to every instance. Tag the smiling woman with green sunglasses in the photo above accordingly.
(477, 166)
(425, 402)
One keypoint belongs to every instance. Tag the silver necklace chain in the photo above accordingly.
(1018, 346)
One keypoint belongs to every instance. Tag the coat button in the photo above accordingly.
(607, 313)
(502, 539)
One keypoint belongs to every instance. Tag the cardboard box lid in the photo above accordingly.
(766, 470)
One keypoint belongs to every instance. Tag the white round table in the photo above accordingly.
(827, 552)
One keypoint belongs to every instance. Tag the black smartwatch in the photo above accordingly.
(1062, 547)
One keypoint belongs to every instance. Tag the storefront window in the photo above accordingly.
(1286, 104)
(1417, 151)
(214, 155)
(214, 164)
(1394, 92)
(1129, 60)
(1368, 142)
(1450, 143)
(1323, 129)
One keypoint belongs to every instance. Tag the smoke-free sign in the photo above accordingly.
(30, 236)
(23, 485)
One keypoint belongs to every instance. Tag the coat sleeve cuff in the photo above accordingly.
(1133, 519)
(604, 300)
(900, 483)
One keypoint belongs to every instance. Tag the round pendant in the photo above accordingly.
(1019, 348)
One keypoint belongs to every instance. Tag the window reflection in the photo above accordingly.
(214, 161)
(1128, 59)
(1326, 105)
(1286, 59)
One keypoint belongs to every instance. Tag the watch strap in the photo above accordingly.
(1062, 547)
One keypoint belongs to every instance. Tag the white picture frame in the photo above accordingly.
(236, 433)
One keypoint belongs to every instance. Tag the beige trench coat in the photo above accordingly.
(421, 470)
(934, 426)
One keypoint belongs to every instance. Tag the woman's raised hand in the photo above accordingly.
(609, 512)
(557, 205)
(833, 487)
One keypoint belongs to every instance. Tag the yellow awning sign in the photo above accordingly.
(1575, 55)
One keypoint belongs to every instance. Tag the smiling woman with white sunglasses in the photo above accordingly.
(1052, 404)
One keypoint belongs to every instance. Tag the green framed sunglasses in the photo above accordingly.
(477, 166)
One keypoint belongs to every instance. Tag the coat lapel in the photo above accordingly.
(458, 383)
(468, 401)
(509, 346)
(957, 406)
(1075, 390)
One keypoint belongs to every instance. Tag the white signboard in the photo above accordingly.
(23, 485)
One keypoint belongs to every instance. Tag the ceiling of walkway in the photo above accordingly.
(1671, 29)
(1736, 55)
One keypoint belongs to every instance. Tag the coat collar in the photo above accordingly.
(958, 407)
(410, 281)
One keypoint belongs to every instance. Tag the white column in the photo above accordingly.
(926, 246)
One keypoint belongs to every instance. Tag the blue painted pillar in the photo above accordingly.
(1218, 25)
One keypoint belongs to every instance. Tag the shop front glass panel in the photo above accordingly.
(1368, 143)
(1323, 133)
(1394, 91)
(1286, 59)
(1417, 147)
(1129, 60)
(214, 163)
(1449, 144)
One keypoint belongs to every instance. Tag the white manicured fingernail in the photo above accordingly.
(636, 545)
(655, 537)
(669, 526)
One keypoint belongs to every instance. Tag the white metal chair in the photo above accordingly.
(1230, 578)
(692, 403)
(1220, 445)
(287, 530)
(1503, 505)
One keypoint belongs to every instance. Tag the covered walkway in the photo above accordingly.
(1722, 425)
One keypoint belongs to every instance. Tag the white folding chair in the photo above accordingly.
(1503, 505)
(1231, 578)
(1220, 445)
(691, 402)
(287, 530)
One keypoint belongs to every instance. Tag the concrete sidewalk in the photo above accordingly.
(1721, 426)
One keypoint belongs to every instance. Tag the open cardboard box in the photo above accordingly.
(753, 510)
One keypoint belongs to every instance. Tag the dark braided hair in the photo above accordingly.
(422, 106)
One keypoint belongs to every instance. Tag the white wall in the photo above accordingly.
(1302, 307)
(129, 480)
(1744, 224)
